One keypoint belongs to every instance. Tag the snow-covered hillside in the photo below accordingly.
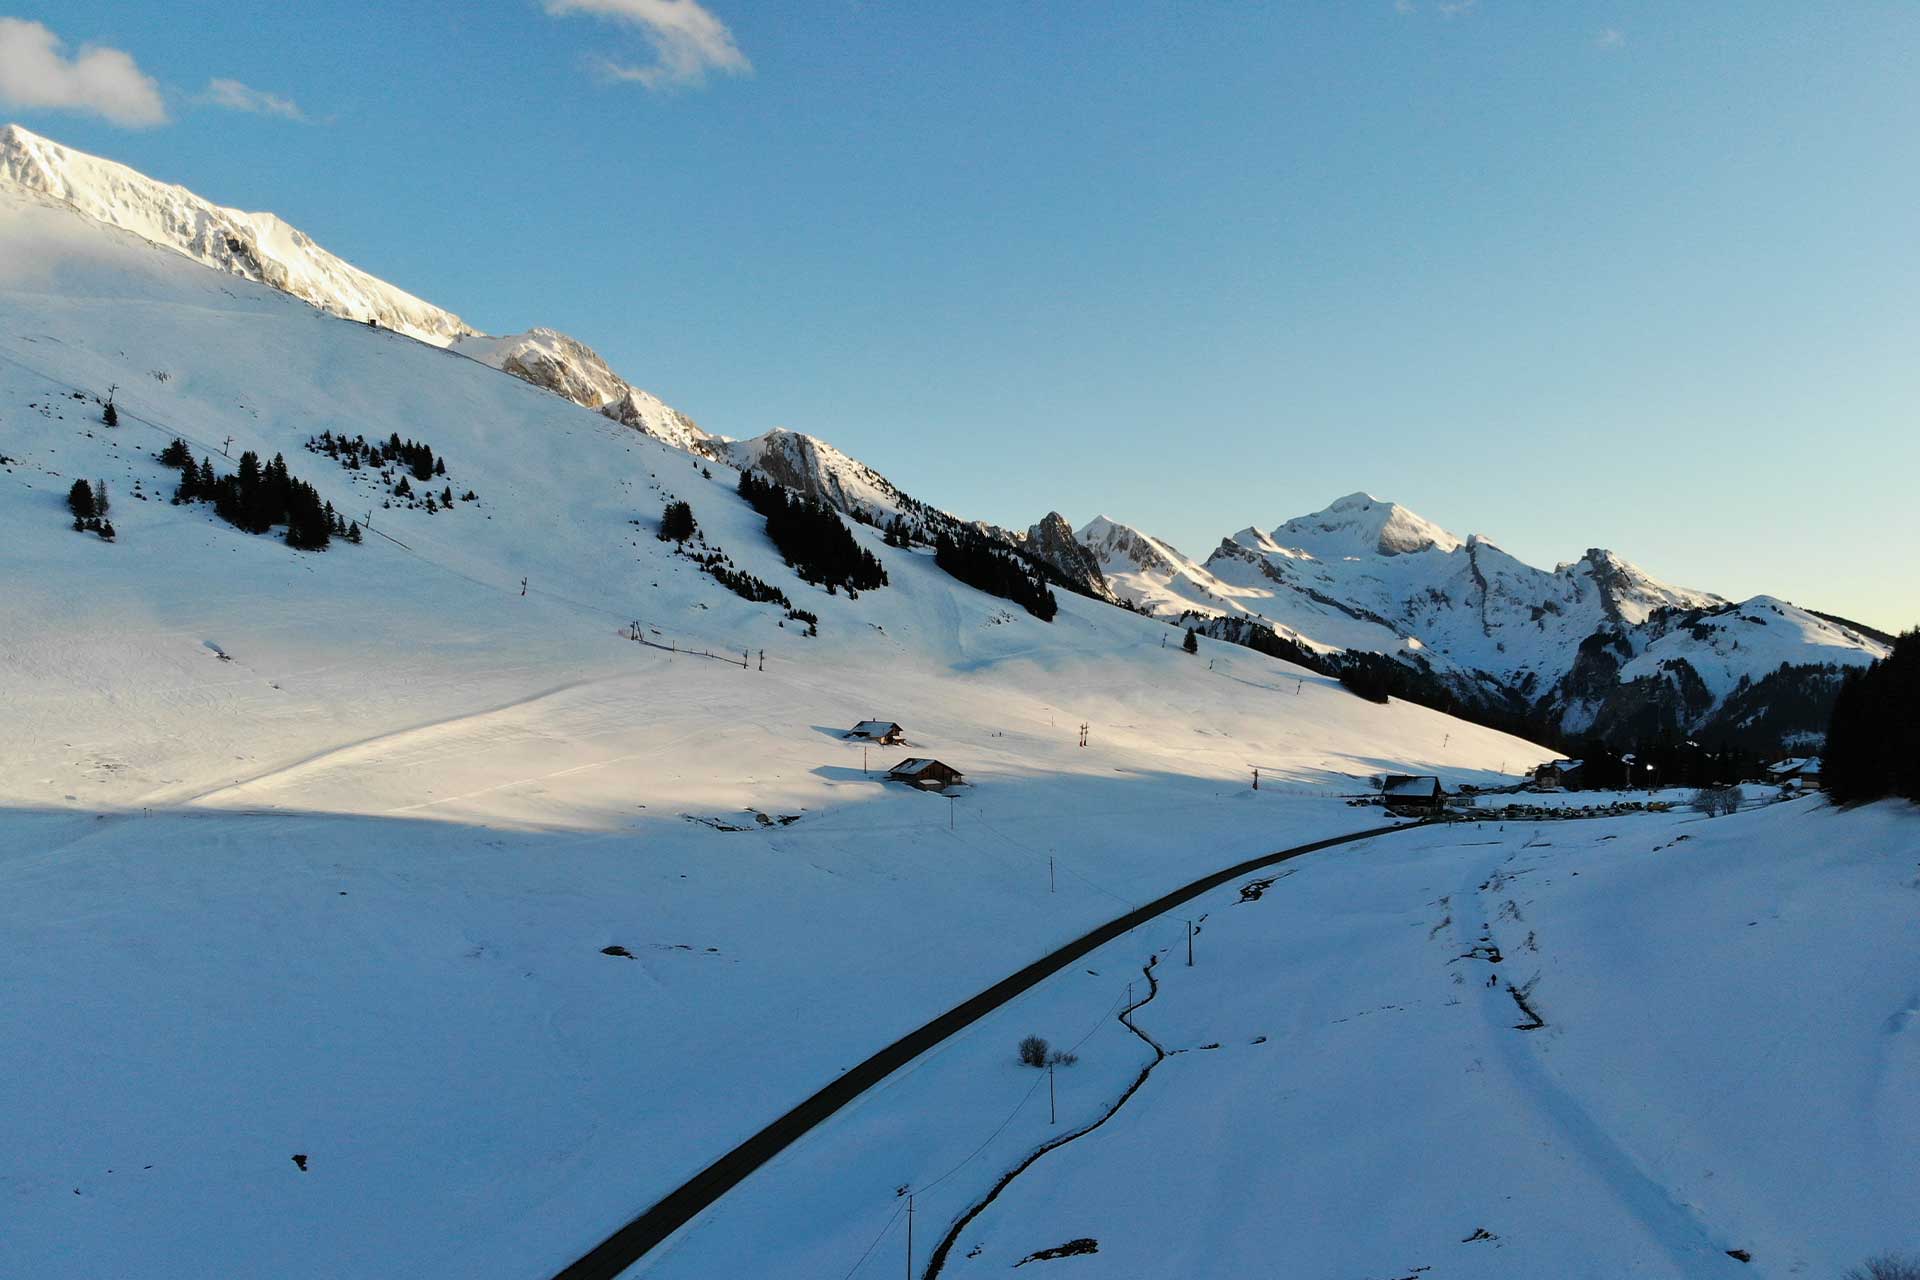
(317, 853)
(253, 246)
(260, 247)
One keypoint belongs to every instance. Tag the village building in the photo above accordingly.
(884, 732)
(1557, 775)
(1797, 773)
(928, 775)
(1417, 796)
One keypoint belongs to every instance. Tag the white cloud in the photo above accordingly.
(1610, 38)
(36, 73)
(687, 40)
(235, 96)
(1403, 6)
(1457, 7)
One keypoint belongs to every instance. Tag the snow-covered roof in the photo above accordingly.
(1421, 788)
(1564, 766)
(874, 728)
(913, 767)
(1793, 765)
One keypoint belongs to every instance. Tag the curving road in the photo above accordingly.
(631, 1242)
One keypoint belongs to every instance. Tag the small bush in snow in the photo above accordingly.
(1061, 1058)
(1033, 1051)
(1714, 801)
(1887, 1266)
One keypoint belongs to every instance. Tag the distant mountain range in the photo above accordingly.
(1597, 646)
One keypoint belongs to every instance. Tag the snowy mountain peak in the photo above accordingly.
(254, 246)
(1363, 525)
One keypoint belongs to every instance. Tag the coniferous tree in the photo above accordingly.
(80, 500)
(1192, 642)
(110, 415)
(677, 523)
(176, 454)
(1873, 740)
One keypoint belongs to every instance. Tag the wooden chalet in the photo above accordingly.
(884, 732)
(1414, 796)
(928, 775)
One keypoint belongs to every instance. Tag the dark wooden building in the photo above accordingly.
(1416, 796)
(928, 775)
(884, 732)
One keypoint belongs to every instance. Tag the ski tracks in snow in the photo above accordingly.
(1689, 1244)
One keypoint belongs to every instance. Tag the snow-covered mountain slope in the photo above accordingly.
(253, 246)
(1598, 644)
(570, 368)
(317, 853)
(260, 247)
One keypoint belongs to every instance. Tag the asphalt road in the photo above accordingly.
(631, 1242)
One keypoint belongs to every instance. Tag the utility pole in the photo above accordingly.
(1049, 873)
(1053, 1114)
(226, 445)
(1256, 777)
(1189, 944)
(1127, 1017)
(950, 800)
(909, 1235)
(864, 772)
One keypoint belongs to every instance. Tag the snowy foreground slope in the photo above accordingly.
(1728, 1062)
(317, 854)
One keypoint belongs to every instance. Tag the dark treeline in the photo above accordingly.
(1873, 740)
(259, 496)
(969, 556)
(812, 538)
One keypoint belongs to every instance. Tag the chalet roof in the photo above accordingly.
(1400, 786)
(874, 728)
(914, 766)
(1566, 766)
(1793, 765)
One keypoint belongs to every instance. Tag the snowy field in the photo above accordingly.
(1728, 1062)
(319, 856)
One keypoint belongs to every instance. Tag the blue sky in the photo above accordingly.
(1638, 275)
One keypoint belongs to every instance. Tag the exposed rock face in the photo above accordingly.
(570, 368)
(1053, 541)
(813, 467)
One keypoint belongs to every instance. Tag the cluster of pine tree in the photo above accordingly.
(677, 523)
(259, 496)
(89, 506)
(812, 538)
(1873, 740)
(968, 555)
(898, 533)
(354, 453)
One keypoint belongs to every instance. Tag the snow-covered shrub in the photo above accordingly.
(1033, 1051)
